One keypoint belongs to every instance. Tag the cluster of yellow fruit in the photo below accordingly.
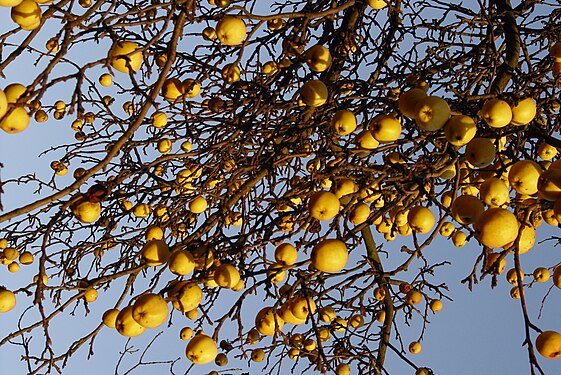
(14, 118)
(26, 13)
(9, 256)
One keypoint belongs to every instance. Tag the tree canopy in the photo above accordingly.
(302, 157)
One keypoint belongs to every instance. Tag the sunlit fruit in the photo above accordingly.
(105, 79)
(496, 113)
(541, 274)
(226, 275)
(526, 239)
(302, 306)
(431, 113)
(198, 205)
(359, 214)
(155, 252)
(413, 297)
(549, 184)
(460, 130)
(494, 192)
(7, 300)
(548, 344)
(496, 227)
(435, 305)
(314, 93)
(330, 255)
(26, 258)
(230, 73)
(524, 112)
(377, 4)
(523, 176)
(27, 14)
(125, 56)
(480, 152)
(326, 314)
(231, 30)
(408, 101)
(186, 333)
(415, 347)
(150, 310)
(181, 262)
(191, 88)
(512, 276)
(323, 205)
(126, 325)
(547, 151)
(466, 209)
(10, 3)
(421, 219)
(14, 92)
(343, 122)
(86, 211)
(172, 91)
(201, 349)
(90, 295)
(286, 254)
(385, 128)
(15, 120)
(268, 322)
(185, 296)
(318, 58)
(109, 317)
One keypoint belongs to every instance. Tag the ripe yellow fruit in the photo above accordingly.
(496, 227)
(26, 258)
(480, 152)
(257, 355)
(496, 113)
(421, 219)
(302, 306)
(318, 58)
(490, 265)
(447, 229)
(11, 253)
(141, 210)
(435, 305)
(267, 321)
(186, 333)
(286, 254)
(185, 296)
(327, 314)
(7, 300)
(459, 239)
(549, 184)
(231, 30)
(330, 255)
(109, 317)
(14, 91)
(343, 122)
(523, 176)
(198, 205)
(385, 129)
(10, 3)
(413, 297)
(415, 347)
(466, 209)
(359, 214)
(191, 88)
(155, 252)
(181, 262)
(126, 325)
(323, 205)
(286, 314)
(230, 73)
(512, 276)
(431, 113)
(557, 277)
(90, 295)
(27, 15)
(547, 151)
(524, 112)
(85, 211)
(494, 192)
(548, 344)
(345, 186)
(172, 90)
(201, 349)
(226, 276)
(526, 241)
(407, 102)
(376, 4)
(150, 310)
(159, 120)
(314, 93)
(541, 274)
(105, 79)
(460, 130)
(125, 56)
(15, 120)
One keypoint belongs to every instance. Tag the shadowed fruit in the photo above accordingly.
(125, 56)
(314, 93)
